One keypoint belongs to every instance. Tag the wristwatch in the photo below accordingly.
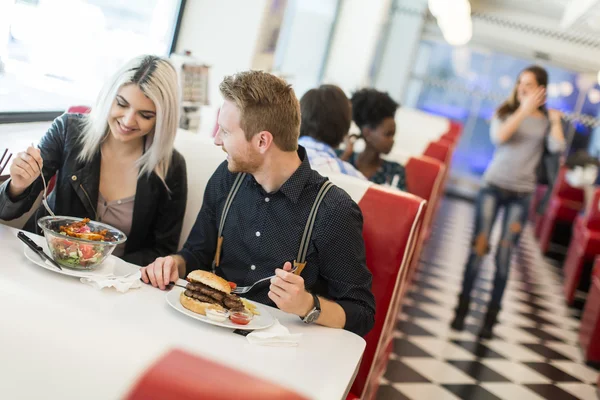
(313, 314)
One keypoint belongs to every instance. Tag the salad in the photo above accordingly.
(76, 254)
(77, 244)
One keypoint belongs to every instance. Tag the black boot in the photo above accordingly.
(462, 309)
(489, 322)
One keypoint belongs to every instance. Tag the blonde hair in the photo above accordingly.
(266, 103)
(157, 79)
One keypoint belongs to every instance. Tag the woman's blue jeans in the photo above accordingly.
(489, 201)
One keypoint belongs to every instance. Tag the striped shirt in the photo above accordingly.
(322, 158)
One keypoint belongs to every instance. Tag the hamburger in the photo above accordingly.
(207, 290)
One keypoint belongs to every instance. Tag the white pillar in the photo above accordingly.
(357, 31)
(400, 47)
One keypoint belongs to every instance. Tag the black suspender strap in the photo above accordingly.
(300, 262)
(232, 192)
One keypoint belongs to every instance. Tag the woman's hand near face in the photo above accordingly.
(533, 101)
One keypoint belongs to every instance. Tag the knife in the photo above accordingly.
(37, 249)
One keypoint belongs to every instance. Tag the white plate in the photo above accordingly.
(262, 321)
(112, 266)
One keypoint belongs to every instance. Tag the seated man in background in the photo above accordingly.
(582, 174)
(326, 115)
(257, 232)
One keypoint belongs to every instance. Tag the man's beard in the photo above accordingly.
(248, 164)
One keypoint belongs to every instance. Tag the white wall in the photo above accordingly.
(303, 42)
(355, 38)
(399, 54)
(222, 34)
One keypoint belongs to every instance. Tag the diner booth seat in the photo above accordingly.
(181, 376)
(391, 230)
(202, 157)
(589, 331)
(562, 209)
(424, 179)
(584, 246)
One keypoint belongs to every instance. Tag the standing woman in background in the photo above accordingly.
(116, 165)
(521, 130)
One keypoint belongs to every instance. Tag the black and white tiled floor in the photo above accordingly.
(534, 353)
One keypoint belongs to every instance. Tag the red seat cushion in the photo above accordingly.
(391, 229)
(440, 150)
(78, 110)
(182, 376)
(424, 177)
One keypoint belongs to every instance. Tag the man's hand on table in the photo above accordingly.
(161, 272)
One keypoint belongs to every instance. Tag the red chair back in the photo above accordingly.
(424, 176)
(182, 376)
(79, 110)
(592, 218)
(391, 227)
(440, 150)
(455, 130)
(565, 191)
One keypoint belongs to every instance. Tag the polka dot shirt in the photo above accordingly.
(264, 230)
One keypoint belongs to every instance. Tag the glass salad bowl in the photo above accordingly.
(79, 243)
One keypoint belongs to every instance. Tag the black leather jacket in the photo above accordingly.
(157, 215)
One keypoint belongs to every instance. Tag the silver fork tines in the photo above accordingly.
(45, 194)
(246, 289)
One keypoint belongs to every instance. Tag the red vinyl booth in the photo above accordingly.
(181, 376)
(589, 332)
(391, 230)
(440, 150)
(564, 206)
(584, 246)
(79, 110)
(424, 177)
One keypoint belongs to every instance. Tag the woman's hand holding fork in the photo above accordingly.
(25, 169)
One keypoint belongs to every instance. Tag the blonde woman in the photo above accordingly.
(116, 164)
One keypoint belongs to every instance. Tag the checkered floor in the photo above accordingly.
(534, 353)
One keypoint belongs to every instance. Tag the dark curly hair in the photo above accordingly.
(370, 107)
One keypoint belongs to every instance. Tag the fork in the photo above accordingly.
(3, 165)
(45, 195)
(246, 289)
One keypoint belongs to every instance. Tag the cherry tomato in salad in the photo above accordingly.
(87, 250)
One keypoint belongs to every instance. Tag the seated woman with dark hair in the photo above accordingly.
(373, 111)
(326, 115)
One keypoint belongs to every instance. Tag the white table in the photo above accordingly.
(62, 339)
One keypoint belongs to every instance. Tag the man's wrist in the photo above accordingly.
(309, 302)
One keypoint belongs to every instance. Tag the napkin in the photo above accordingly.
(122, 284)
(276, 335)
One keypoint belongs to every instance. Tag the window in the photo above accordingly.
(58, 53)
